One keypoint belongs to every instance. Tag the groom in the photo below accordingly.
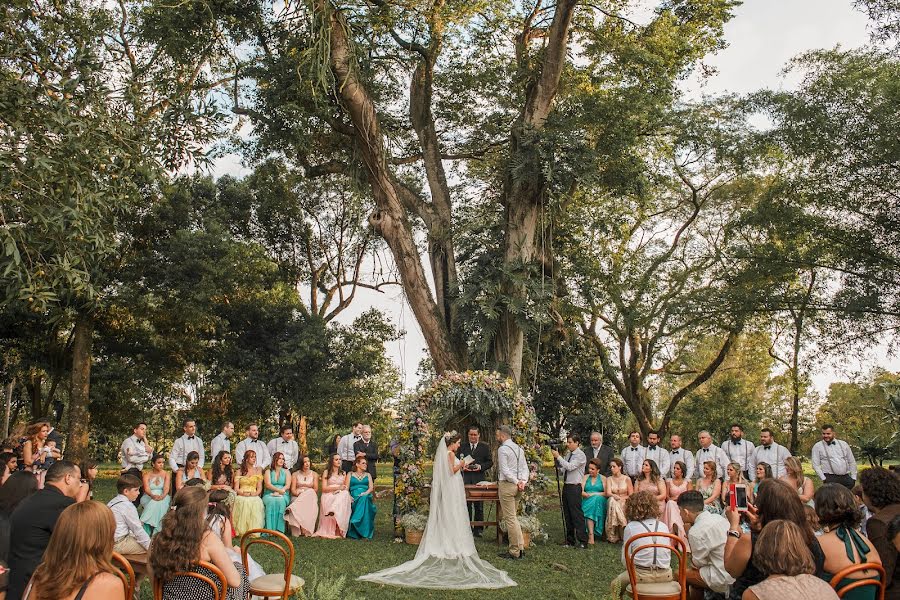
(512, 475)
(475, 472)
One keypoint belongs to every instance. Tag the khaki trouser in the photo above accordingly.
(643, 575)
(128, 545)
(509, 497)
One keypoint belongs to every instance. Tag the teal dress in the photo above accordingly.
(594, 507)
(276, 505)
(852, 538)
(155, 510)
(362, 519)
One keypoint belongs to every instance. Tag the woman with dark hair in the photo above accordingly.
(218, 517)
(277, 492)
(19, 486)
(185, 539)
(618, 489)
(593, 500)
(650, 480)
(89, 469)
(676, 486)
(763, 472)
(776, 500)
(360, 485)
(881, 493)
(221, 475)
(249, 511)
(842, 543)
(157, 494)
(190, 470)
(9, 464)
(303, 511)
(331, 448)
(652, 565)
(334, 514)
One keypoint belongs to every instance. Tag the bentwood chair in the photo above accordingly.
(843, 575)
(125, 573)
(274, 585)
(666, 590)
(220, 588)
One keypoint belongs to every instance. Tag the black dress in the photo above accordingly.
(191, 588)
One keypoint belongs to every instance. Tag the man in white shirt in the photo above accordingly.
(130, 537)
(652, 565)
(512, 476)
(252, 442)
(345, 447)
(833, 460)
(572, 467)
(657, 453)
(709, 451)
(770, 452)
(287, 445)
(633, 455)
(679, 454)
(707, 534)
(738, 449)
(222, 442)
(187, 443)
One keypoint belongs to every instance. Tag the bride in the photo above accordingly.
(446, 558)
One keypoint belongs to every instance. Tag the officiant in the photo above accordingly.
(475, 471)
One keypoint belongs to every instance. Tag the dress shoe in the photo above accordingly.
(508, 556)
(476, 534)
(581, 546)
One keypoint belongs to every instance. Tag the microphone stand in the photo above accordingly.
(562, 510)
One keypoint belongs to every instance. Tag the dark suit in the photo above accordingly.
(371, 452)
(482, 455)
(604, 453)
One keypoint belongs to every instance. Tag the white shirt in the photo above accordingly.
(345, 446)
(127, 521)
(773, 456)
(684, 455)
(633, 457)
(660, 456)
(182, 447)
(645, 557)
(713, 453)
(262, 453)
(573, 465)
(133, 453)
(511, 463)
(290, 449)
(707, 537)
(741, 453)
(835, 458)
(218, 444)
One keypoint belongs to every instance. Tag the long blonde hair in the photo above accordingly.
(81, 547)
(793, 467)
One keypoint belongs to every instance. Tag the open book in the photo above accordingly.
(467, 460)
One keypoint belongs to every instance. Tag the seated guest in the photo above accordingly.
(130, 535)
(618, 489)
(783, 558)
(593, 500)
(190, 470)
(652, 565)
(221, 475)
(84, 530)
(361, 485)
(277, 492)
(776, 500)
(650, 480)
(734, 476)
(248, 511)
(89, 470)
(763, 472)
(707, 536)
(19, 486)
(33, 521)
(675, 487)
(711, 488)
(794, 477)
(9, 464)
(303, 511)
(334, 512)
(183, 540)
(37, 453)
(218, 517)
(881, 493)
(157, 494)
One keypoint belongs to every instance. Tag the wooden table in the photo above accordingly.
(486, 493)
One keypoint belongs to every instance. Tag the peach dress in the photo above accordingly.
(338, 503)
(671, 515)
(303, 511)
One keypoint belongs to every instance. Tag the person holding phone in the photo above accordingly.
(734, 477)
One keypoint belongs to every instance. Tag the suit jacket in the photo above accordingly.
(482, 456)
(371, 452)
(605, 454)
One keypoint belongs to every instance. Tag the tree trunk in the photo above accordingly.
(79, 417)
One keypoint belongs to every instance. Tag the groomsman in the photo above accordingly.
(285, 444)
(135, 451)
(833, 460)
(222, 442)
(739, 450)
(573, 467)
(252, 442)
(366, 446)
(709, 451)
(680, 454)
(475, 471)
(657, 453)
(512, 476)
(602, 453)
(633, 455)
(769, 452)
(189, 442)
(345, 447)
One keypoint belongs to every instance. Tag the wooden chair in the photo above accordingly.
(220, 589)
(275, 585)
(668, 590)
(125, 573)
(842, 575)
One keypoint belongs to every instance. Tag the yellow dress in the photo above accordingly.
(248, 512)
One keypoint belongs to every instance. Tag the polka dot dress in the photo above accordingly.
(191, 588)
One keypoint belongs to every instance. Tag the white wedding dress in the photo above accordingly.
(446, 558)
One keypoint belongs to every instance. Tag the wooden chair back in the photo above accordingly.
(674, 544)
(125, 573)
(879, 581)
(286, 548)
(220, 588)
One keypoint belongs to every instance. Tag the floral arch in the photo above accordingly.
(485, 397)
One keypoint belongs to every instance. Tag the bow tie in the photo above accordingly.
(767, 447)
(357, 437)
(674, 451)
(634, 449)
(831, 443)
(706, 449)
(736, 443)
(141, 442)
(651, 447)
(190, 437)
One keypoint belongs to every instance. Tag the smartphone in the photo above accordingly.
(738, 497)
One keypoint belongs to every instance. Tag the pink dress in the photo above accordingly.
(303, 511)
(646, 485)
(337, 503)
(671, 515)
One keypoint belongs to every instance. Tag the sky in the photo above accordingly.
(762, 38)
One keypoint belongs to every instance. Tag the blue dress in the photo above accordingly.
(362, 519)
(594, 507)
(275, 505)
(155, 510)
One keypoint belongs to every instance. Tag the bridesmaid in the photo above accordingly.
(593, 500)
(157, 488)
(334, 515)
(734, 476)
(221, 475)
(651, 481)
(189, 471)
(303, 512)
(248, 512)
(676, 486)
(763, 471)
(618, 489)
(362, 519)
(276, 496)
(711, 488)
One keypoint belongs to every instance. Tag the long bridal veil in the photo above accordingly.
(446, 558)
